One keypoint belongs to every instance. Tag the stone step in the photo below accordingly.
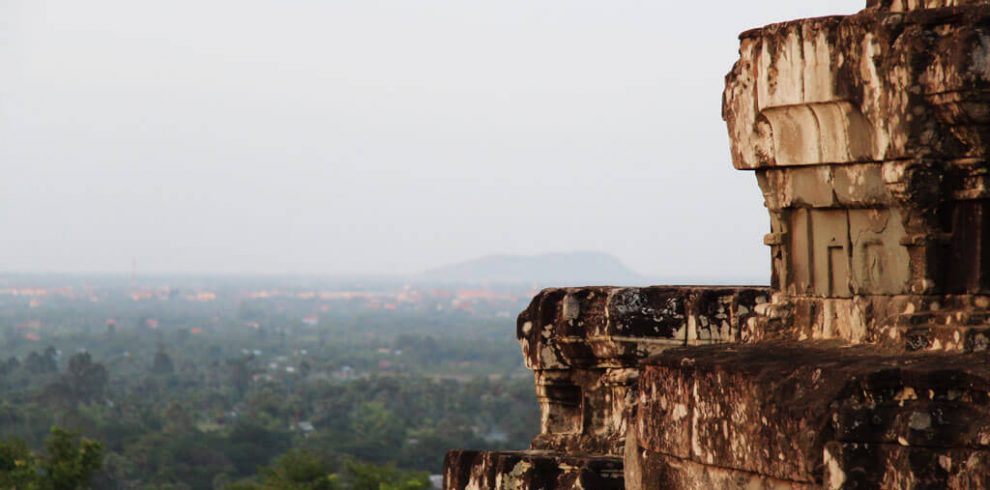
(976, 317)
(611, 326)
(943, 338)
(943, 330)
(768, 412)
(508, 470)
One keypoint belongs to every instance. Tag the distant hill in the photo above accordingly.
(556, 269)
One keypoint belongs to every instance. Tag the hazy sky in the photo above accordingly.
(331, 136)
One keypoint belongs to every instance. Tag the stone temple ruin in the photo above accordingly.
(865, 364)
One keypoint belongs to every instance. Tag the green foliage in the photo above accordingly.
(41, 363)
(18, 465)
(220, 390)
(85, 379)
(70, 463)
(364, 476)
(300, 469)
(162, 363)
(375, 429)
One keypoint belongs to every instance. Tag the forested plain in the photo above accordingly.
(241, 384)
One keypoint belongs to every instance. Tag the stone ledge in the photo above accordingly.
(651, 470)
(846, 466)
(850, 465)
(615, 327)
(908, 5)
(481, 470)
(771, 408)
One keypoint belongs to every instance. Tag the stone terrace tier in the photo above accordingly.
(480, 470)
(907, 5)
(810, 415)
(584, 346)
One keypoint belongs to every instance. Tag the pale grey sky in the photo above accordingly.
(374, 136)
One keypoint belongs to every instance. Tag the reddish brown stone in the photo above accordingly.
(536, 470)
(770, 408)
(584, 345)
(856, 465)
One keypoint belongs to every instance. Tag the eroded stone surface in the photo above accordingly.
(770, 408)
(955, 323)
(663, 472)
(854, 465)
(906, 5)
(869, 137)
(584, 346)
(873, 87)
(604, 327)
(530, 470)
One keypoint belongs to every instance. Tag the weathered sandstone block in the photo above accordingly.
(853, 465)
(584, 346)
(770, 408)
(476, 470)
(869, 136)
